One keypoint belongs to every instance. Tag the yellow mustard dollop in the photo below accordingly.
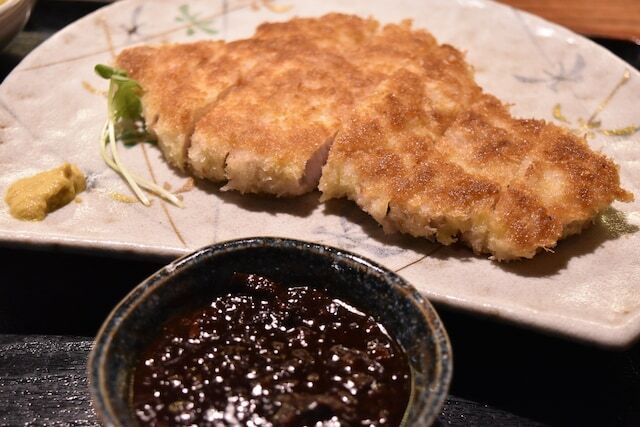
(32, 198)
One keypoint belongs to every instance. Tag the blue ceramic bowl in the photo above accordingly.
(203, 275)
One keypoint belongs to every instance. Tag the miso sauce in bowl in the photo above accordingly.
(271, 332)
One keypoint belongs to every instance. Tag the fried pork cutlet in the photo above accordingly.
(179, 81)
(411, 137)
(336, 32)
(272, 134)
(502, 185)
(264, 109)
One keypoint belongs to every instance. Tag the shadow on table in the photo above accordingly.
(611, 225)
(300, 206)
(361, 233)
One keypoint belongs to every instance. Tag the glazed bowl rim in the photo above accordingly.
(10, 5)
(96, 365)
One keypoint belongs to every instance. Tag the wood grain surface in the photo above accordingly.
(603, 18)
(43, 383)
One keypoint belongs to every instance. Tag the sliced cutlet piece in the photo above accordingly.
(396, 52)
(334, 31)
(504, 186)
(180, 81)
(424, 87)
(271, 133)
(386, 151)
(551, 183)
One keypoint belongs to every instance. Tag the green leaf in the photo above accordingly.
(184, 9)
(107, 72)
(125, 106)
(133, 132)
(126, 100)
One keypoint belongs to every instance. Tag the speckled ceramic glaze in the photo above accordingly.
(52, 108)
(199, 277)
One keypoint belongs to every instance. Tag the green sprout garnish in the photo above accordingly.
(125, 123)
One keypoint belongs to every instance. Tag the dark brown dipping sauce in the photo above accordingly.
(269, 355)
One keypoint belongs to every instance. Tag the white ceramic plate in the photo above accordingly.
(51, 110)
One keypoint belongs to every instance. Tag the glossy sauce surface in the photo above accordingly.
(270, 355)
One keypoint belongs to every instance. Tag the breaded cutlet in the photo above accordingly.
(300, 71)
(271, 134)
(410, 136)
(336, 32)
(179, 82)
(552, 183)
(505, 186)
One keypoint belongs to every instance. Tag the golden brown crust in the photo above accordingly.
(574, 182)
(273, 123)
(503, 185)
(179, 82)
(334, 31)
(417, 143)
(271, 131)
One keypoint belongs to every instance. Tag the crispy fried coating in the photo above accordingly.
(259, 113)
(179, 82)
(271, 134)
(272, 131)
(409, 135)
(336, 32)
(502, 185)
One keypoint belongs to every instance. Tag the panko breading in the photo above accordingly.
(272, 134)
(335, 32)
(179, 82)
(505, 186)
(272, 131)
(552, 184)
(409, 135)
(275, 101)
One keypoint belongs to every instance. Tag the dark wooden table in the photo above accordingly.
(51, 305)
(619, 19)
